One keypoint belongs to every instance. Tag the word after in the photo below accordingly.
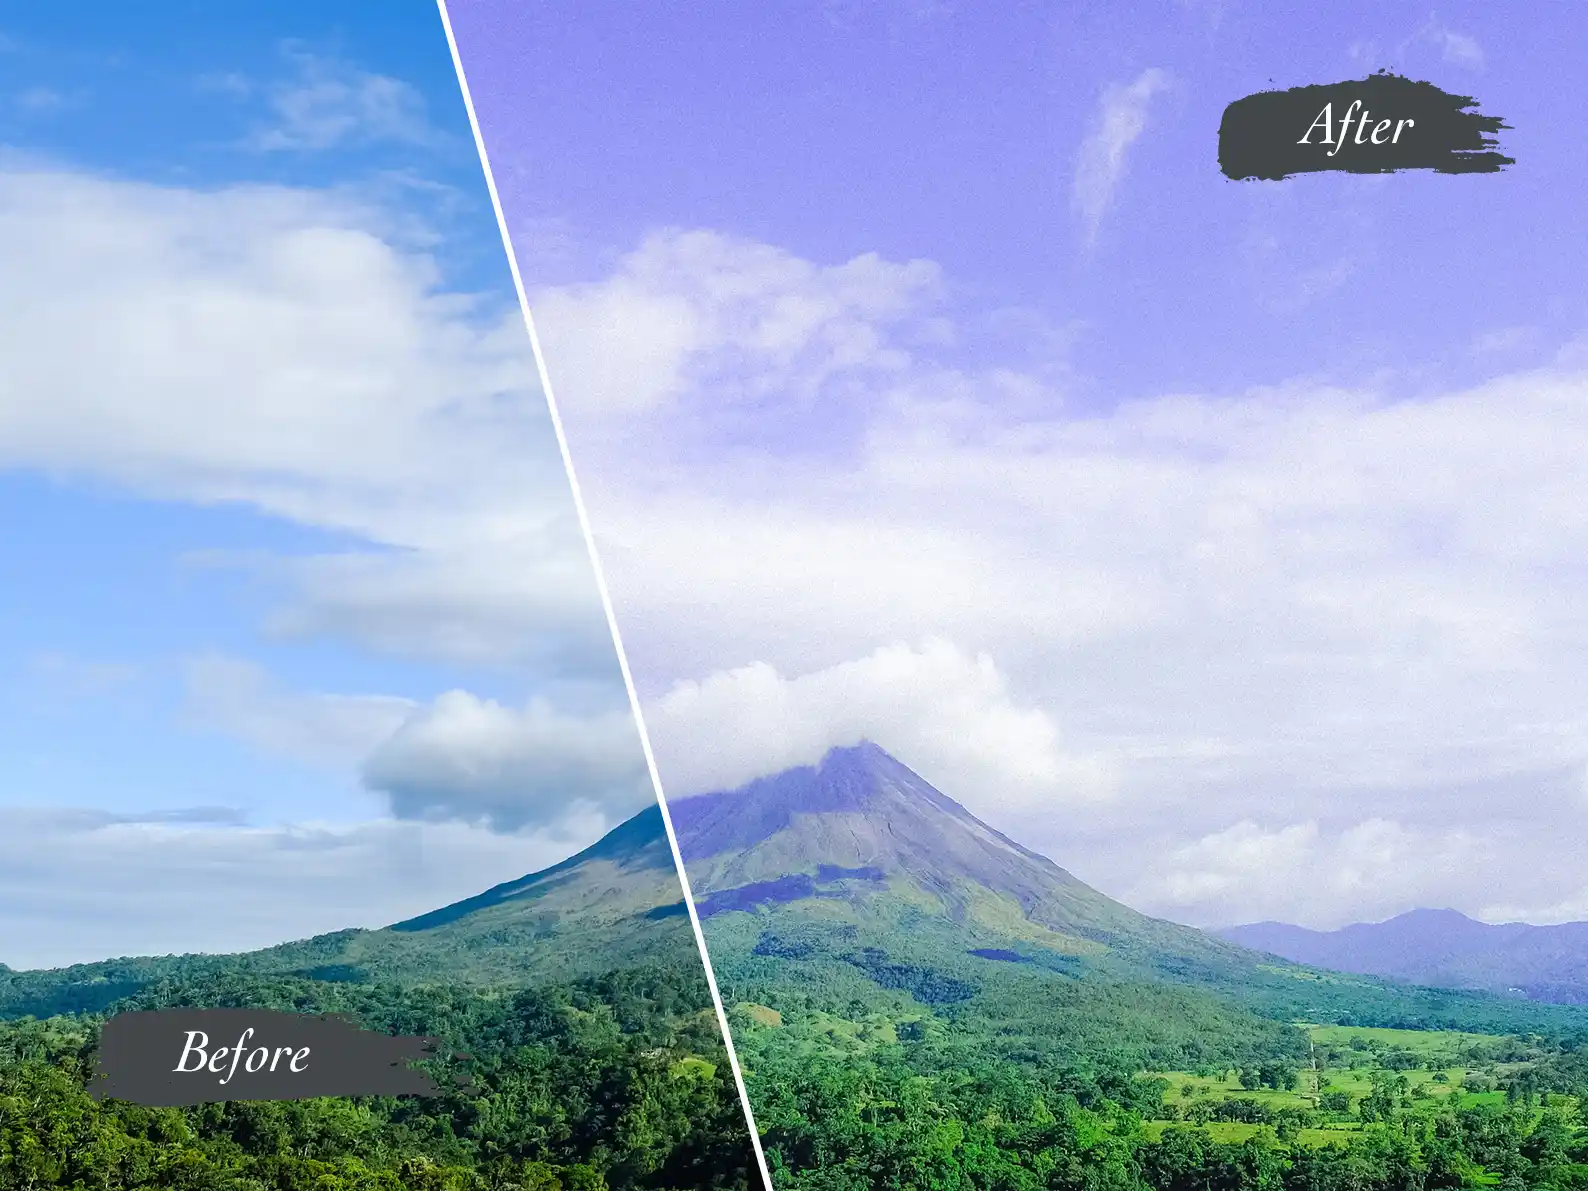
(1378, 136)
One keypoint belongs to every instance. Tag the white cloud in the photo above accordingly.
(278, 347)
(78, 886)
(468, 758)
(1121, 119)
(947, 711)
(294, 351)
(458, 757)
(1289, 598)
(528, 601)
(329, 104)
(1303, 874)
(1330, 875)
(694, 312)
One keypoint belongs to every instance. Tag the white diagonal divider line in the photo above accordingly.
(606, 599)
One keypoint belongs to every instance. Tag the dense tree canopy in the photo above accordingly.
(616, 1082)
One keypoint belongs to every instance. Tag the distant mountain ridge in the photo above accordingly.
(615, 904)
(1442, 948)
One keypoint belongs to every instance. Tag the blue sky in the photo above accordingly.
(927, 382)
(294, 615)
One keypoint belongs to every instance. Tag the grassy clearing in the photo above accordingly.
(1417, 1041)
(1359, 1072)
(1230, 1131)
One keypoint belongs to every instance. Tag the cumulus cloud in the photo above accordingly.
(474, 759)
(752, 330)
(1121, 118)
(458, 757)
(78, 886)
(1293, 597)
(949, 712)
(250, 343)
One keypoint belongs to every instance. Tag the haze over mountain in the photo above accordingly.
(1443, 948)
(615, 904)
(860, 860)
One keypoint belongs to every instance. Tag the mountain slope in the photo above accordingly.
(863, 828)
(616, 904)
(860, 861)
(1443, 948)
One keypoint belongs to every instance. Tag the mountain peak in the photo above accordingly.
(859, 836)
(1429, 915)
(863, 779)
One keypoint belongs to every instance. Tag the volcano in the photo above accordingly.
(859, 862)
(863, 833)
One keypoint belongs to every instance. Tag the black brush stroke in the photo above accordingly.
(139, 1050)
(1258, 135)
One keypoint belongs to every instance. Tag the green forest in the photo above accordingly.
(617, 1081)
(874, 1070)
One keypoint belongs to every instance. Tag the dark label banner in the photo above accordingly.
(171, 1057)
(1378, 125)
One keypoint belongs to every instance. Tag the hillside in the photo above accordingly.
(614, 905)
(920, 1001)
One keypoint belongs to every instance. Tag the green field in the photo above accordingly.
(1355, 1077)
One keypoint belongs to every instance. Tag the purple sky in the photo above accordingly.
(931, 130)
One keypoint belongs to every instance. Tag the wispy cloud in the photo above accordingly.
(226, 83)
(238, 698)
(1452, 46)
(1121, 119)
(1459, 49)
(330, 103)
(42, 100)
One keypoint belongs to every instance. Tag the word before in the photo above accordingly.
(1379, 136)
(198, 1048)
